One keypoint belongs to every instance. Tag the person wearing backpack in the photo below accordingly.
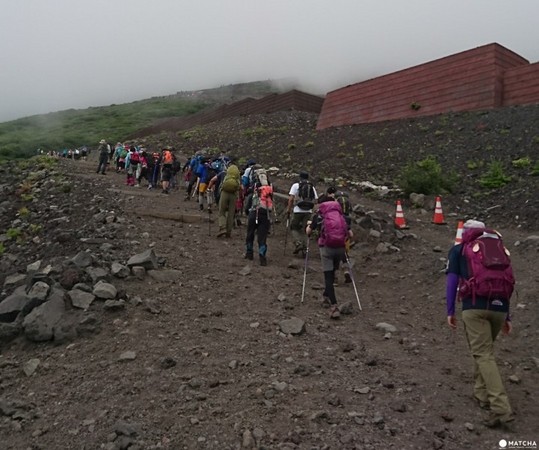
(301, 199)
(259, 207)
(334, 230)
(103, 156)
(230, 187)
(479, 270)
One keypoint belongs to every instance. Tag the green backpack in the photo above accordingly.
(231, 182)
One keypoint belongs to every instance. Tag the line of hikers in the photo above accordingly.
(217, 180)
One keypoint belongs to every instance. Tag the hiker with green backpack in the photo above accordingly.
(230, 188)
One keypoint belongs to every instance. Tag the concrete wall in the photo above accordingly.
(470, 80)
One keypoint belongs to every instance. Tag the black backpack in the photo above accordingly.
(306, 195)
(343, 200)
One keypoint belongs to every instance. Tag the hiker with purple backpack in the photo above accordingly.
(479, 270)
(334, 230)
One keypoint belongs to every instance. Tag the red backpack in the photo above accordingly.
(489, 266)
(334, 228)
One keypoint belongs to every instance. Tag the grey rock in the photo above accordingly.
(9, 331)
(82, 259)
(294, 326)
(247, 440)
(80, 299)
(346, 308)
(97, 274)
(39, 291)
(105, 290)
(388, 328)
(114, 305)
(417, 200)
(83, 287)
(12, 305)
(39, 324)
(119, 270)
(30, 366)
(246, 270)
(127, 356)
(139, 272)
(33, 267)
(16, 279)
(146, 259)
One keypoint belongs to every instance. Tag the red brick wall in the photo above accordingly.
(470, 80)
(521, 85)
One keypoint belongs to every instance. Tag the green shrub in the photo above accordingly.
(495, 176)
(2, 248)
(521, 163)
(23, 212)
(291, 146)
(309, 144)
(426, 177)
(535, 170)
(14, 233)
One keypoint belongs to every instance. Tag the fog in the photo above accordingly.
(61, 54)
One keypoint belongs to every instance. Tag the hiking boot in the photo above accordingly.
(249, 256)
(187, 197)
(347, 277)
(297, 249)
(326, 302)
(263, 261)
(334, 312)
(503, 422)
(335, 281)
(221, 233)
(228, 235)
(201, 207)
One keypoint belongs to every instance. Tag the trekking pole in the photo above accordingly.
(286, 234)
(305, 270)
(352, 277)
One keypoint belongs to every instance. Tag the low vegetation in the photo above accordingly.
(426, 177)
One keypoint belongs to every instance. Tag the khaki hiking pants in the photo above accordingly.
(227, 210)
(482, 326)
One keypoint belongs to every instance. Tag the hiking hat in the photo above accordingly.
(331, 190)
(102, 141)
(304, 175)
(473, 224)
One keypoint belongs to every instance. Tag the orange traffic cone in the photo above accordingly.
(438, 218)
(399, 217)
(460, 229)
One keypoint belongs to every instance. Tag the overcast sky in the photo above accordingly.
(61, 54)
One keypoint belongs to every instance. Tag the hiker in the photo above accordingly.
(204, 175)
(301, 198)
(258, 208)
(194, 169)
(334, 229)
(230, 187)
(103, 156)
(332, 194)
(166, 161)
(131, 166)
(142, 171)
(483, 318)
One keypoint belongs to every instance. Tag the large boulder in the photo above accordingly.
(40, 323)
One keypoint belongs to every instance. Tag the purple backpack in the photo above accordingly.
(489, 266)
(334, 229)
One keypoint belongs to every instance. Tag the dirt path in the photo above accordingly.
(213, 371)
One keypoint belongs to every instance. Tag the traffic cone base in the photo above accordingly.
(460, 229)
(400, 223)
(438, 218)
